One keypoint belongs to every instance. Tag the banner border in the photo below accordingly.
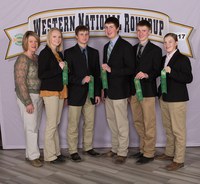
(93, 36)
(10, 41)
(187, 38)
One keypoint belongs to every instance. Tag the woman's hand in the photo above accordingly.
(62, 64)
(167, 69)
(30, 108)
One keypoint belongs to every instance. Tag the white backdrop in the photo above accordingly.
(15, 12)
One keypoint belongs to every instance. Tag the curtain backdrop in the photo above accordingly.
(16, 12)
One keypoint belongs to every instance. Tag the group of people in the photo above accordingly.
(128, 70)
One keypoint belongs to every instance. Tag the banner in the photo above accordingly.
(94, 17)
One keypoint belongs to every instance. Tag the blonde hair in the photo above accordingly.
(60, 47)
(25, 39)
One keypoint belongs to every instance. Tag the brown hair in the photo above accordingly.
(81, 28)
(173, 35)
(25, 39)
(112, 20)
(60, 47)
(144, 23)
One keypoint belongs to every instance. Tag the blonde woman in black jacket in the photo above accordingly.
(53, 93)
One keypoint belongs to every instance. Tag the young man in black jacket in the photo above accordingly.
(148, 66)
(83, 62)
(118, 61)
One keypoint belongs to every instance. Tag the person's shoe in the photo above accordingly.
(163, 157)
(136, 155)
(56, 161)
(75, 157)
(109, 154)
(120, 160)
(144, 160)
(92, 153)
(61, 158)
(36, 163)
(174, 166)
(41, 158)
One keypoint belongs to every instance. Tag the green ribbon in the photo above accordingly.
(91, 87)
(138, 89)
(104, 79)
(163, 81)
(65, 74)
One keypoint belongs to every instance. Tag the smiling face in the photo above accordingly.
(55, 39)
(170, 44)
(143, 33)
(32, 44)
(111, 30)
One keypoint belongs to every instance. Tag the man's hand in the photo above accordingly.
(86, 79)
(106, 67)
(97, 100)
(142, 75)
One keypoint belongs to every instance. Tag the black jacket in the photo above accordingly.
(122, 65)
(181, 74)
(77, 92)
(150, 63)
(49, 71)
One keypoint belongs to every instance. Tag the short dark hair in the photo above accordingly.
(81, 28)
(25, 39)
(144, 23)
(113, 20)
(173, 35)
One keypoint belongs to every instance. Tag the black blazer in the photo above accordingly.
(77, 92)
(49, 71)
(181, 74)
(122, 65)
(150, 63)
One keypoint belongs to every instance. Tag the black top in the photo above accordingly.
(122, 65)
(78, 69)
(150, 63)
(181, 74)
(49, 71)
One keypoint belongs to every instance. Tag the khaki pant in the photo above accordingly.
(144, 117)
(53, 107)
(88, 110)
(174, 122)
(117, 118)
(32, 125)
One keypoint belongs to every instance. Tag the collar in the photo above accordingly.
(82, 48)
(144, 44)
(169, 55)
(114, 40)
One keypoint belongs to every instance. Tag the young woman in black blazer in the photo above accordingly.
(53, 93)
(173, 103)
